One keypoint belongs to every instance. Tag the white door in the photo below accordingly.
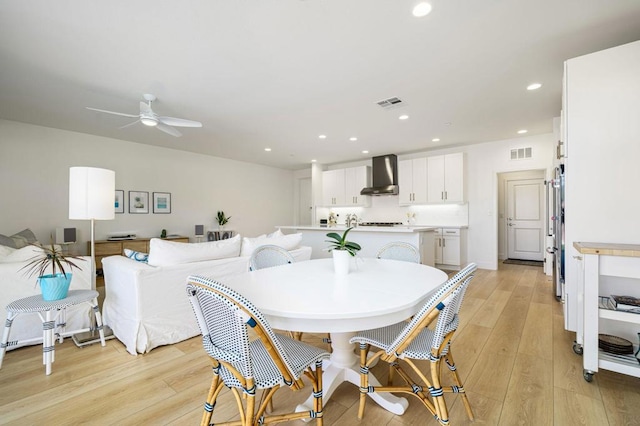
(525, 219)
(305, 203)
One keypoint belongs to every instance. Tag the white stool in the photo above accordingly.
(52, 310)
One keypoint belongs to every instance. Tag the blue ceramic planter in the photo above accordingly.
(54, 287)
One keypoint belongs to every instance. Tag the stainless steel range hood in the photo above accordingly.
(385, 176)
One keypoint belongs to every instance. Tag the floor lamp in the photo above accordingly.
(91, 197)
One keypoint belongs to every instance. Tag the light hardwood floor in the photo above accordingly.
(512, 352)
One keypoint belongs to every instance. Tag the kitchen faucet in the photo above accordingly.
(351, 220)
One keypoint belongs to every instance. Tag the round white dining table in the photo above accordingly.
(309, 297)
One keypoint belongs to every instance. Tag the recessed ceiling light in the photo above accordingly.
(522, 132)
(421, 9)
(365, 152)
(322, 136)
(534, 86)
(313, 161)
(403, 117)
(435, 140)
(268, 149)
(353, 139)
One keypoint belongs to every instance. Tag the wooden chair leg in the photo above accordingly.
(211, 400)
(454, 372)
(364, 379)
(437, 394)
(317, 389)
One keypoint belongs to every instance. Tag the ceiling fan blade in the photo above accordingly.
(130, 124)
(179, 122)
(168, 129)
(112, 112)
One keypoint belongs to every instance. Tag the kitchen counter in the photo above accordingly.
(370, 238)
(342, 228)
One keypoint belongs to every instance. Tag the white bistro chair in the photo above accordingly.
(268, 256)
(406, 346)
(399, 250)
(268, 363)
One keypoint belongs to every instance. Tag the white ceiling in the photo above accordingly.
(278, 73)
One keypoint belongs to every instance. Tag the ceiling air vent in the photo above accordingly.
(391, 102)
(521, 153)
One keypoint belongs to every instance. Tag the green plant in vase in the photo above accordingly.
(222, 219)
(340, 242)
(54, 286)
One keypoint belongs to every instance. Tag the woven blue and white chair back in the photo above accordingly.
(268, 256)
(223, 316)
(447, 299)
(399, 250)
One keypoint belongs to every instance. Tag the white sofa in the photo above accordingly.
(147, 306)
(15, 284)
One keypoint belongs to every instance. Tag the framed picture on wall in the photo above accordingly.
(162, 202)
(138, 202)
(119, 201)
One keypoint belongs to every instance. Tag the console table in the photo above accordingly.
(113, 248)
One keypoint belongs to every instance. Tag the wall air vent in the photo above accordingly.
(391, 102)
(521, 153)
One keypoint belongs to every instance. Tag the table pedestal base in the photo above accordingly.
(343, 366)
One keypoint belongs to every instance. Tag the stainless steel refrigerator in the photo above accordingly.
(555, 228)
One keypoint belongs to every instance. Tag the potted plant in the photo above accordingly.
(54, 286)
(222, 219)
(342, 249)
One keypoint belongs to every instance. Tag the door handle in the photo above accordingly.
(509, 224)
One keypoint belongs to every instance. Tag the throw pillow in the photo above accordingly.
(19, 240)
(7, 241)
(287, 242)
(137, 255)
(165, 253)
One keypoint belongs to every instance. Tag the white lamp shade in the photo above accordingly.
(91, 193)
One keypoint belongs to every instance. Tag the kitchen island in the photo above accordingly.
(370, 238)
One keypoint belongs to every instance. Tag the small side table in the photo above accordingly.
(49, 313)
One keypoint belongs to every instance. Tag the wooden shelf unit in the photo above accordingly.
(106, 248)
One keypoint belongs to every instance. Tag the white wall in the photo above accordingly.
(34, 171)
(483, 164)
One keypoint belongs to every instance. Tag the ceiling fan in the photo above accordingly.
(151, 119)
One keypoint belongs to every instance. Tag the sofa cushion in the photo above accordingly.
(19, 240)
(164, 253)
(23, 254)
(287, 242)
(137, 255)
(6, 250)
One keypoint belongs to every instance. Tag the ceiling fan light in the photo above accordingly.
(149, 121)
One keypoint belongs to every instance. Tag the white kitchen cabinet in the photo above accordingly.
(412, 180)
(333, 189)
(450, 248)
(607, 269)
(357, 178)
(445, 178)
(341, 187)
